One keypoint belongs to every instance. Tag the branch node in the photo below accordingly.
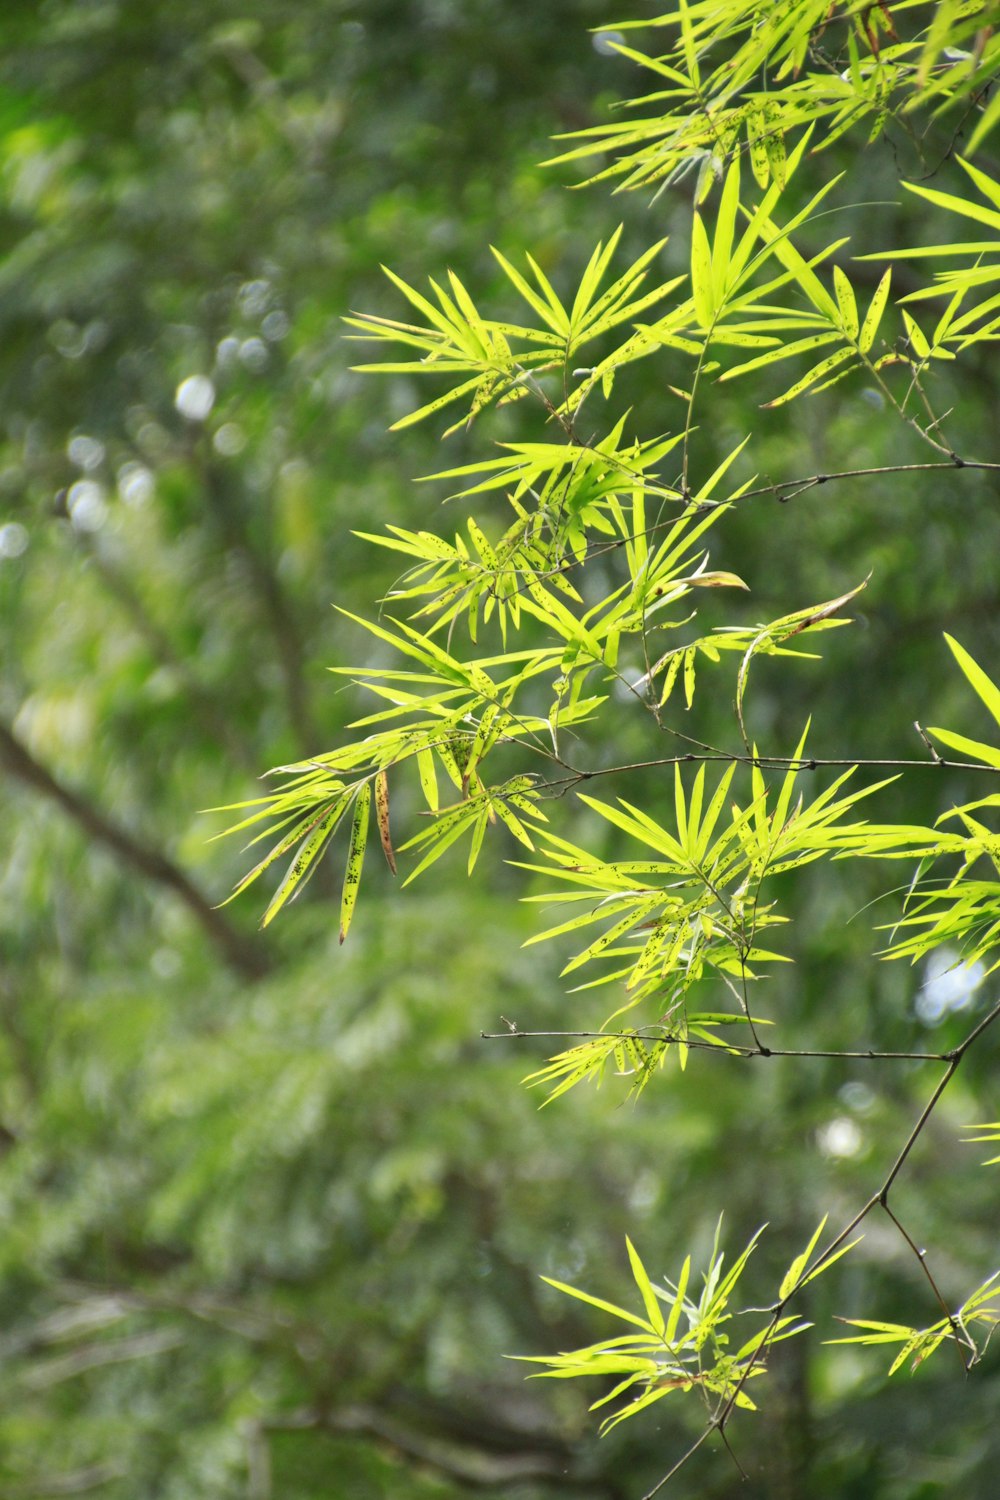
(930, 748)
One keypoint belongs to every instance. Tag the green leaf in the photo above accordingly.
(653, 1310)
(280, 848)
(964, 206)
(382, 815)
(725, 224)
(783, 351)
(558, 311)
(846, 302)
(992, 1129)
(355, 858)
(875, 1332)
(975, 749)
(797, 1276)
(600, 1304)
(304, 861)
(873, 316)
(760, 161)
(988, 121)
(817, 373)
(793, 1275)
(592, 277)
(701, 274)
(985, 688)
(918, 340)
(553, 315)
(673, 1322)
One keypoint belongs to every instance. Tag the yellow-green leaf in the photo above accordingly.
(975, 749)
(598, 1302)
(873, 316)
(846, 302)
(759, 160)
(428, 778)
(653, 1310)
(918, 340)
(984, 686)
(355, 858)
(382, 814)
(792, 1276)
(300, 868)
(724, 227)
(701, 274)
(817, 373)
(670, 1332)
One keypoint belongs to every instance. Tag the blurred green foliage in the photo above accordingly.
(273, 1213)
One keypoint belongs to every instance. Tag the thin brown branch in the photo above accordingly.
(880, 1199)
(768, 763)
(726, 1049)
(713, 1426)
(243, 953)
(959, 1334)
(911, 1140)
(782, 490)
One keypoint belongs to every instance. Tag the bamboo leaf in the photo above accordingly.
(280, 848)
(673, 1322)
(725, 225)
(438, 839)
(983, 685)
(561, 320)
(478, 834)
(382, 816)
(873, 316)
(964, 206)
(793, 1275)
(817, 373)
(784, 351)
(554, 319)
(592, 277)
(653, 1310)
(304, 861)
(846, 302)
(875, 1332)
(760, 162)
(987, 122)
(600, 1304)
(918, 340)
(975, 749)
(355, 858)
(437, 405)
(701, 274)
(774, 145)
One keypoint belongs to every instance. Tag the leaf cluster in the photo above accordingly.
(570, 594)
(683, 1342)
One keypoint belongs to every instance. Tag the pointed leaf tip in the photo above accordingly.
(355, 859)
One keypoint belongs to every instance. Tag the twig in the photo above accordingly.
(242, 952)
(729, 1049)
